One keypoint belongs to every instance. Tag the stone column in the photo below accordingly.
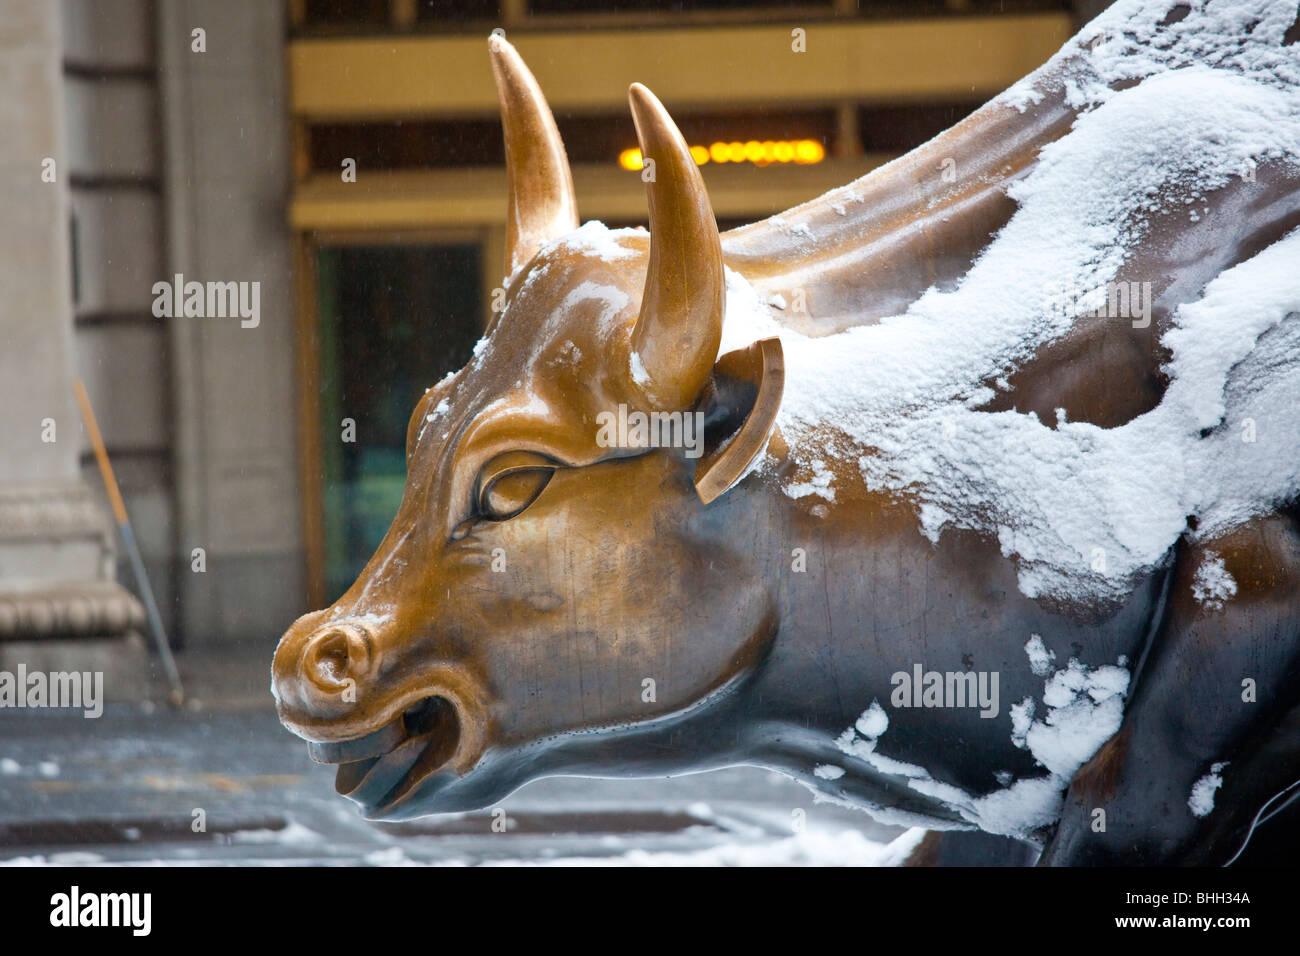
(225, 137)
(56, 547)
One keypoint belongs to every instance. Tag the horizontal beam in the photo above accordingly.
(477, 197)
(893, 61)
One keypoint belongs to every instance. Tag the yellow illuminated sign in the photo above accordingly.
(801, 151)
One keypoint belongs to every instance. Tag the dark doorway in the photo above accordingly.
(393, 320)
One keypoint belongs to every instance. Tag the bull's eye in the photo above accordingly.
(511, 482)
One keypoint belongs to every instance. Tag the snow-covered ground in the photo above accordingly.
(129, 789)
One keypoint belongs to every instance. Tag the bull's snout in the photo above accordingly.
(389, 725)
(320, 672)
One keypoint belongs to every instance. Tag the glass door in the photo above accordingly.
(393, 319)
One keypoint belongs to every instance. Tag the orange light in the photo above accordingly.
(801, 151)
(630, 159)
(809, 151)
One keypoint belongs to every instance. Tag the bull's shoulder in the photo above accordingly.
(1104, 372)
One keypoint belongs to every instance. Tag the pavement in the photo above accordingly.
(220, 782)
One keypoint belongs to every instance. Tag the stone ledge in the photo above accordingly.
(68, 609)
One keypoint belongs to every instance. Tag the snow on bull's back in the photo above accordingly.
(1083, 510)
(1135, 39)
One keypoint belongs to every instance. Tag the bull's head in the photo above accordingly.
(536, 580)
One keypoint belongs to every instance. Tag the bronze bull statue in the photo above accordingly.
(984, 517)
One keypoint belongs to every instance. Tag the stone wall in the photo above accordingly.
(56, 547)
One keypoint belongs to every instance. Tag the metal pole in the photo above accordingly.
(177, 695)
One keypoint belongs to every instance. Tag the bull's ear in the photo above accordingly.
(542, 205)
(740, 404)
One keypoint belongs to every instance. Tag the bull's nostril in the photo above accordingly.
(336, 657)
(332, 657)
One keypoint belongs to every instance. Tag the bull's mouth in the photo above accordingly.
(381, 768)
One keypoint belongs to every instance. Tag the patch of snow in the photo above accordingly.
(639, 374)
(812, 847)
(1131, 41)
(932, 519)
(1022, 718)
(819, 484)
(393, 856)
(10, 767)
(748, 318)
(874, 721)
(439, 410)
(372, 618)
(612, 299)
(1212, 585)
(1084, 707)
(1040, 658)
(828, 771)
(597, 240)
(292, 834)
(1015, 810)
(700, 810)
(1201, 800)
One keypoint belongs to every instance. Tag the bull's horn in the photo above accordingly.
(675, 341)
(542, 204)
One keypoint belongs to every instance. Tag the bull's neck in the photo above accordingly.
(821, 671)
(810, 554)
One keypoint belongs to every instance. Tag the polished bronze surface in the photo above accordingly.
(540, 186)
(546, 604)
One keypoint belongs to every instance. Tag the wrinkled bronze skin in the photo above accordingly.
(622, 566)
